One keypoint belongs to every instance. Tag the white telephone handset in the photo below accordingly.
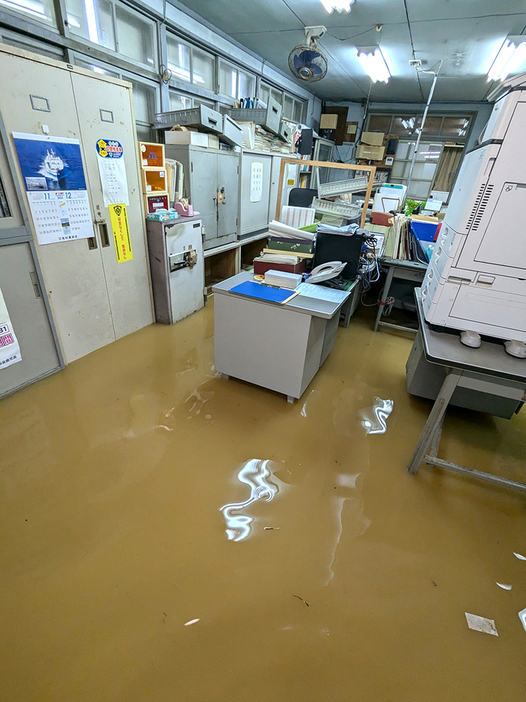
(326, 271)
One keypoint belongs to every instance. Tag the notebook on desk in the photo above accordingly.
(263, 292)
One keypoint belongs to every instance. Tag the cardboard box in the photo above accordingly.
(370, 153)
(192, 138)
(373, 138)
(329, 121)
(213, 141)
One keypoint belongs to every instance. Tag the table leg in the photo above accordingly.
(434, 420)
(435, 441)
(385, 293)
(290, 399)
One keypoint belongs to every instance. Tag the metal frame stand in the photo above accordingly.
(427, 447)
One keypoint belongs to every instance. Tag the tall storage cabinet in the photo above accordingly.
(211, 182)
(93, 298)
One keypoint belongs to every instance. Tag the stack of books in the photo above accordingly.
(288, 240)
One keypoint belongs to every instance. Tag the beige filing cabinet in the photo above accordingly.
(94, 299)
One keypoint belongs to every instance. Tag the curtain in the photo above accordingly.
(447, 168)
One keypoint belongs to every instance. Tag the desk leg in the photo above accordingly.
(433, 424)
(385, 293)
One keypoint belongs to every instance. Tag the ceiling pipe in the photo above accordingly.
(421, 128)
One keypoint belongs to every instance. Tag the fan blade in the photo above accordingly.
(298, 62)
(316, 70)
(308, 55)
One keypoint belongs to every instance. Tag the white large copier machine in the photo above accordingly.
(476, 280)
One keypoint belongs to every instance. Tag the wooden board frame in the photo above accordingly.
(327, 164)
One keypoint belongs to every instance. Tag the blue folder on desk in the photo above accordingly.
(262, 292)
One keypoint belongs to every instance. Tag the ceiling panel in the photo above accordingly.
(464, 35)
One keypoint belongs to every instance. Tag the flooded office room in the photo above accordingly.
(262, 351)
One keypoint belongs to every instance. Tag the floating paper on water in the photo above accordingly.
(522, 617)
(504, 586)
(519, 556)
(486, 626)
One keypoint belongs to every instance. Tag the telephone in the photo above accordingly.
(326, 271)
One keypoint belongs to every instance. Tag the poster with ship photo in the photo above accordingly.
(55, 184)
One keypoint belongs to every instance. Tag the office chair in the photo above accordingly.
(302, 197)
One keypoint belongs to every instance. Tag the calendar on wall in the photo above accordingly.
(55, 184)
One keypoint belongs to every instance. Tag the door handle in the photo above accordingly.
(35, 284)
(104, 236)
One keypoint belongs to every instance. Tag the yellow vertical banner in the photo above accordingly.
(121, 232)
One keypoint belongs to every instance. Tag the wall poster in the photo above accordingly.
(112, 172)
(9, 347)
(55, 184)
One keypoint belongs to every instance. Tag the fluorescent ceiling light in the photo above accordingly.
(374, 64)
(509, 58)
(338, 5)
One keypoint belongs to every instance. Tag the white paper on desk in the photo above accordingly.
(321, 293)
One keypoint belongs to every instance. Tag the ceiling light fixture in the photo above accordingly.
(338, 5)
(374, 64)
(509, 57)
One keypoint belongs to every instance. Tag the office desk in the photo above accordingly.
(403, 270)
(279, 347)
(488, 369)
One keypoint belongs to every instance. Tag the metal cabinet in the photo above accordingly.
(177, 265)
(25, 303)
(255, 202)
(259, 208)
(211, 182)
(94, 300)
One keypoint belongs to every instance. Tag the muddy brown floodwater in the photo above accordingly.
(172, 536)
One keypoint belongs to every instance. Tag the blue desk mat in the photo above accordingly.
(262, 292)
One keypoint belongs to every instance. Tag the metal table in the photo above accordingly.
(404, 270)
(487, 368)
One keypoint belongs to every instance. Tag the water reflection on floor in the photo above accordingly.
(168, 535)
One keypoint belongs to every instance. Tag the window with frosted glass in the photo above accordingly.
(298, 111)
(136, 37)
(288, 107)
(41, 10)
(202, 70)
(264, 92)
(97, 69)
(179, 102)
(247, 85)
(178, 59)
(92, 20)
(143, 101)
(227, 79)
(276, 95)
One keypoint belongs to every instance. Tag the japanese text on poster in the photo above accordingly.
(121, 232)
(9, 347)
(54, 180)
(112, 172)
(256, 181)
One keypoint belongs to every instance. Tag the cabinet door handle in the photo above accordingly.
(35, 284)
(92, 242)
(104, 236)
